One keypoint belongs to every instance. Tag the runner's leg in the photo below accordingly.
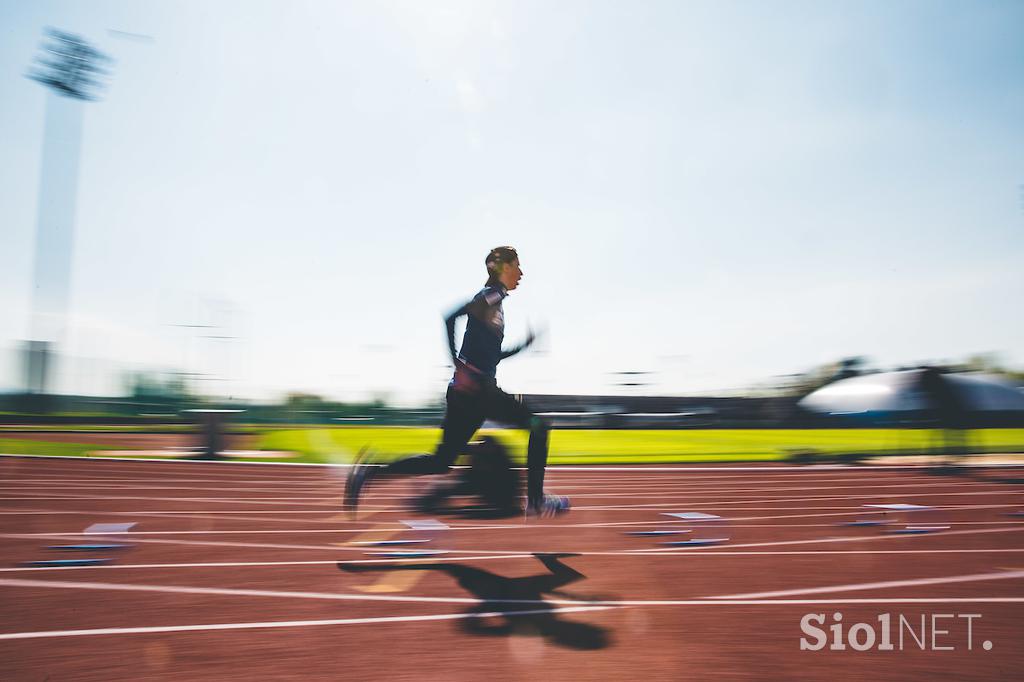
(461, 420)
(512, 410)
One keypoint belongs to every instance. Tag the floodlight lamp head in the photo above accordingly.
(70, 66)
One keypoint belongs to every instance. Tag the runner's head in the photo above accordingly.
(503, 267)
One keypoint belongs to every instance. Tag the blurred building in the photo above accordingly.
(659, 412)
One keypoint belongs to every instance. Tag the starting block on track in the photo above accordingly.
(104, 533)
(105, 536)
(428, 531)
(702, 529)
(108, 528)
(926, 519)
(696, 542)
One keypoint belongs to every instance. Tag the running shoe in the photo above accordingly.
(548, 505)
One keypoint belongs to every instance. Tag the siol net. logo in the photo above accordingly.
(926, 632)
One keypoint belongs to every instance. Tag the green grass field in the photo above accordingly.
(339, 444)
(17, 446)
(643, 446)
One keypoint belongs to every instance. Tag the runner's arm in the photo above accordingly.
(467, 308)
(530, 338)
(449, 323)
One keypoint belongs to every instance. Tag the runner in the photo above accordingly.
(473, 395)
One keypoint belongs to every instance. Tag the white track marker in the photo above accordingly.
(108, 528)
(917, 530)
(697, 542)
(426, 524)
(900, 507)
(409, 554)
(693, 516)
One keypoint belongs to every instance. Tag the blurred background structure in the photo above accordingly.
(71, 69)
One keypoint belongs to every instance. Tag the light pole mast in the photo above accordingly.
(70, 68)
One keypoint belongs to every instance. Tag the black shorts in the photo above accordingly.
(467, 411)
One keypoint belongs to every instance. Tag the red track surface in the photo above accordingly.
(234, 566)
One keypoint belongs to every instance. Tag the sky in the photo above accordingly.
(289, 196)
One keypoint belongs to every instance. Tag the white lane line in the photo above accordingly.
(670, 486)
(133, 462)
(207, 543)
(697, 492)
(328, 496)
(858, 510)
(782, 473)
(660, 489)
(618, 524)
(779, 468)
(340, 549)
(723, 504)
(334, 484)
(916, 582)
(333, 596)
(726, 503)
(235, 514)
(236, 592)
(294, 487)
(611, 500)
(214, 514)
(489, 614)
(149, 498)
(291, 623)
(690, 475)
(789, 602)
(238, 564)
(124, 463)
(636, 552)
(857, 538)
(450, 559)
(314, 531)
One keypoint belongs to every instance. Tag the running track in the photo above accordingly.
(233, 573)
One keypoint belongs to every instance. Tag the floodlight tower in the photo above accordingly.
(71, 69)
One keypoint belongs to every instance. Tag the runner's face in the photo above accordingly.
(510, 275)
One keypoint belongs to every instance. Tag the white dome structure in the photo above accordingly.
(908, 391)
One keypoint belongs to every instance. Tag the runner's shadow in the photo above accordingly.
(513, 606)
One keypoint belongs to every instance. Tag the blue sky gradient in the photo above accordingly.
(716, 192)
